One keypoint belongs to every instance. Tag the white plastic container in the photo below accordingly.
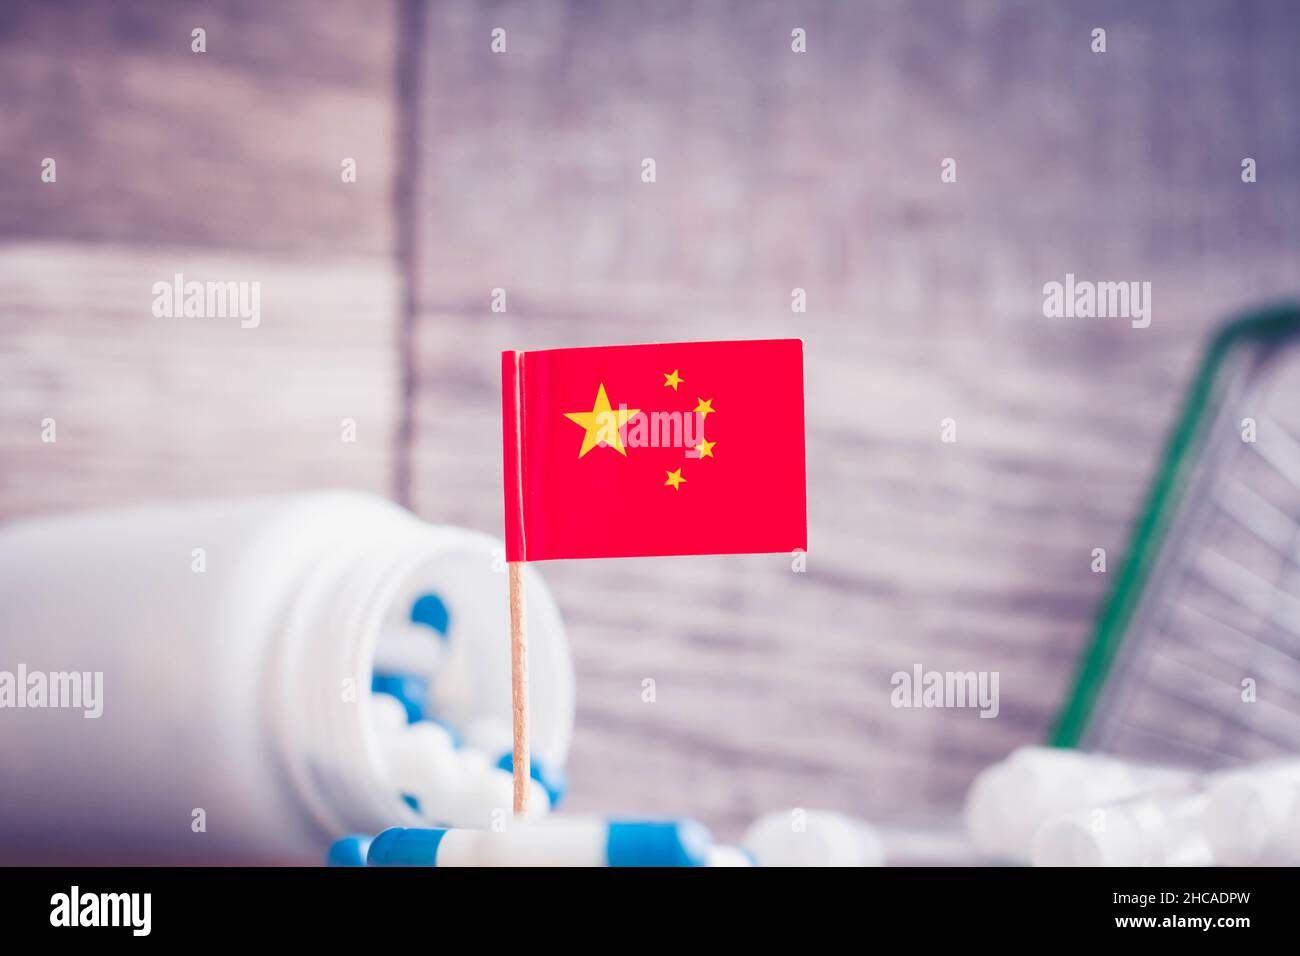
(1009, 801)
(1162, 830)
(1253, 817)
(236, 642)
(822, 838)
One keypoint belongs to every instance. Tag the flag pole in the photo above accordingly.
(519, 686)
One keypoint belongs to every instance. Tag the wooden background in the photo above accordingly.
(775, 170)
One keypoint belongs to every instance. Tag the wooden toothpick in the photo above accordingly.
(519, 686)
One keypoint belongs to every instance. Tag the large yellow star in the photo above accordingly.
(705, 448)
(602, 424)
(675, 479)
(672, 379)
(704, 407)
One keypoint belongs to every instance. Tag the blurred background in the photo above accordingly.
(775, 170)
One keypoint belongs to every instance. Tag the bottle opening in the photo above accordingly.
(420, 633)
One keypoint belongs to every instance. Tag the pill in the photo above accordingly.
(1144, 831)
(349, 851)
(491, 735)
(552, 780)
(418, 758)
(495, 736)
(812, 838)
(730, 856)
(1009, 801)
(408, 649)
(471, 764)
(1251, 814)
(557, 841)
(456, 788)
(430, 611)
(456, 740)
(411, 689)
(416, 645)
(387, 713)
(482, 801)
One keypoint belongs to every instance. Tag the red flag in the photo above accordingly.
(681, 448)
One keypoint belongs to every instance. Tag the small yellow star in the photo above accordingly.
(705, 448)
(675, 479)
(673, 379)
(602, 424)
(704, 407)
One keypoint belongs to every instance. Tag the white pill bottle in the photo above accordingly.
(235, 642)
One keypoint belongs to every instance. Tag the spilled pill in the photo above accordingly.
(480, 801)
(552, 780)
(730, 856)
(458, 788)
(812, 838)
(451, 785)
(1009, 801)
(494, 736)
(418, 757)
(1252, 816)
(1143, 831)
(349, 851)
(557, 841)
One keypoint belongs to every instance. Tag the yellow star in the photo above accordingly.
(602, 424)
(675, 479)
(705, 448)
(704, 407)
(673, 379)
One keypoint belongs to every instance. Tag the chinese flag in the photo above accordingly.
(628, 450)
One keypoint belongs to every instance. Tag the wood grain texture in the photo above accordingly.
(775, 171)
(150, 407)
(221, 166)
(821, 171)
(240, 146)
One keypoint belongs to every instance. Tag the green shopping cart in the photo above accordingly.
(1196, 655)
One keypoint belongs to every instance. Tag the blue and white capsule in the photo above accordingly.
(493, 736)
(731, 856)
(411, 651)
(411, 690)
(555, 841)
(553, 780)
(349, 851)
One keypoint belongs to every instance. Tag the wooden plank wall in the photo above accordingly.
(821, 171)
(775, 170)
(221, 166)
